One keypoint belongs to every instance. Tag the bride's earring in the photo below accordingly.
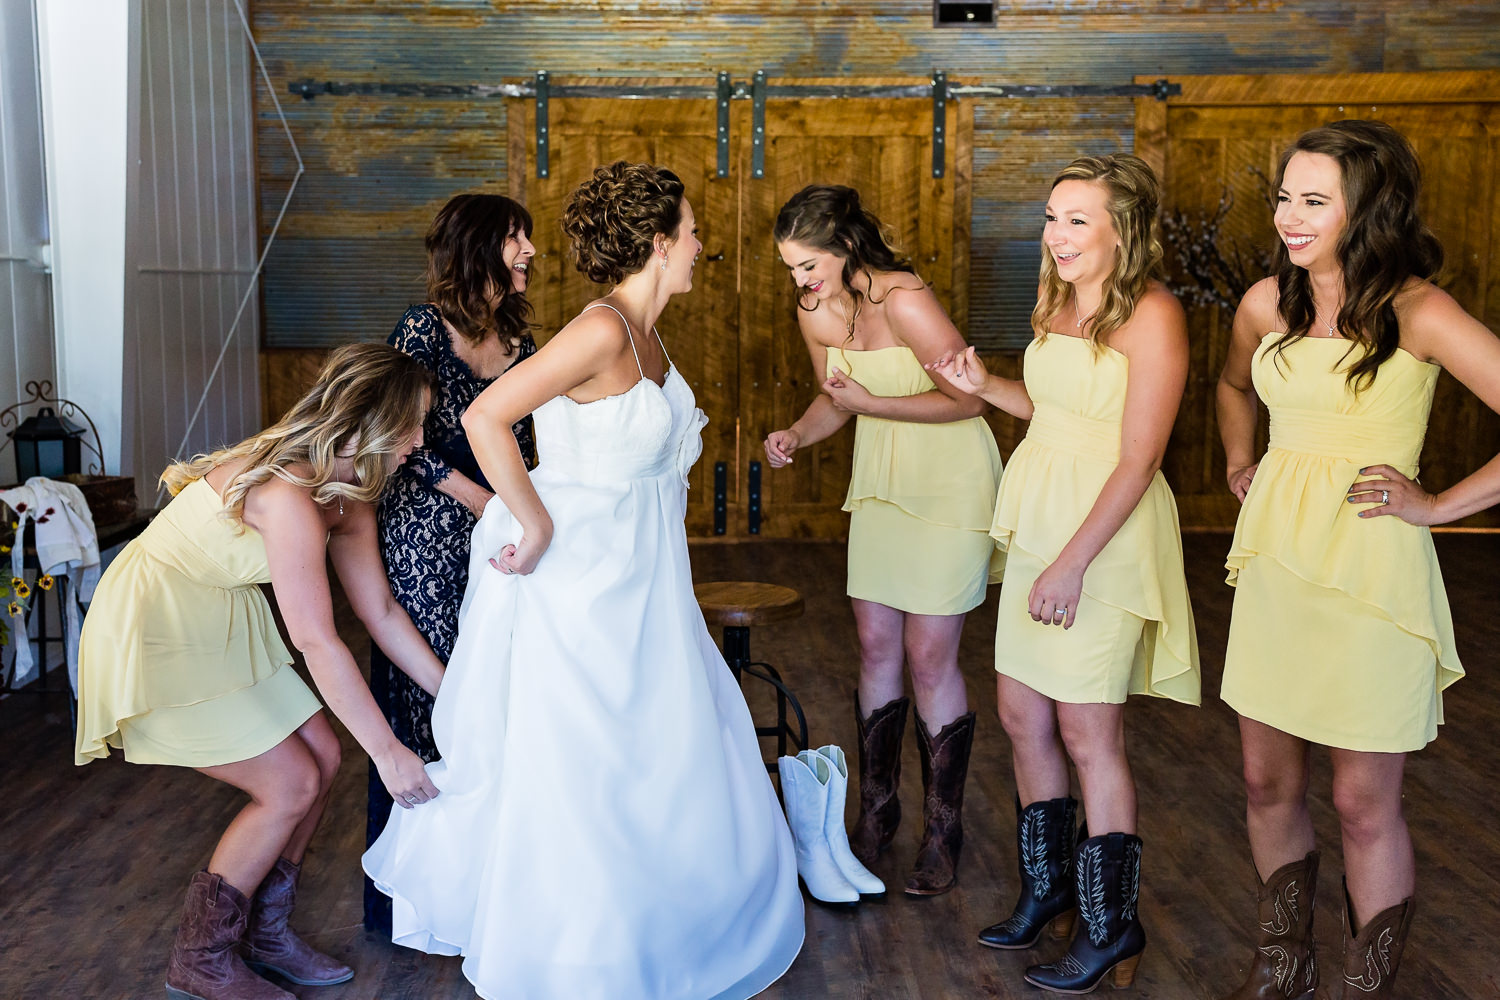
(663, 262)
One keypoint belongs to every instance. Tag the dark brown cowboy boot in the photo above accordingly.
(270, 945)
(1285, 965)
(879, 777)
(1372, 958)
(945, 766)
(204, 964)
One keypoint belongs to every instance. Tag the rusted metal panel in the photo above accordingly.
(378, 167)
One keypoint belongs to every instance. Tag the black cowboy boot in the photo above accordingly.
(1109, 938)
(1285, 965)
(879, 777)
(1044, 846)
(945, 767)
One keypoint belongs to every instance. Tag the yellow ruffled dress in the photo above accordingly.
(180, 661)
(1133, 632)
(1341, 632)
(920, 496)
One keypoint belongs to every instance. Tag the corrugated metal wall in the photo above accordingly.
(192, 240)
(25, 290)
(350, 256)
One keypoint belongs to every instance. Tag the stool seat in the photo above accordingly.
(743, 604)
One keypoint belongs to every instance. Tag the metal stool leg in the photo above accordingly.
(737, 655)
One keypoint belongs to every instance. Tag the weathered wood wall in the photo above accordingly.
(349, 256)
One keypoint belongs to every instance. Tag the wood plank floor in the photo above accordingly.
(95, 859)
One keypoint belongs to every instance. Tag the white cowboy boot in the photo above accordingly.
(804, 789)
(833, 825)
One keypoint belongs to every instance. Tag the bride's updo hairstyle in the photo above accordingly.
(614, 217)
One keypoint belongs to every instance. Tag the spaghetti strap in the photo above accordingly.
(628, 334)
(663, 345)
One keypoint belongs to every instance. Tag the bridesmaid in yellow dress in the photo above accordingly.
(180, 661)
(920, 498)
(1094, 605)
(1341, 633)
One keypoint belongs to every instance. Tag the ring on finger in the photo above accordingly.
(1385, 496)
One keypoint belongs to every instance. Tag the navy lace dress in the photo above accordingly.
(424, 541)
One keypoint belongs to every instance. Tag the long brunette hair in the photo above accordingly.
(1384, 243)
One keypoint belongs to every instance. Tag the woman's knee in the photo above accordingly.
(1028, 726)
(295, 786)
(1089, 743)
(1366, 805)
(323, 743)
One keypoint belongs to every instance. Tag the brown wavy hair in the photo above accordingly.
(1134, 197)
(369, 390)
(466, 265)
(1384, 243)
(830, 218)
(614, 217)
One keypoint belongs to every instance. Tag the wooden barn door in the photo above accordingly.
(735, 336)
(700, 329)
(1216, 146)
(883, 148)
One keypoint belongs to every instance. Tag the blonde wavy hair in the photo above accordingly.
(1134, 197)
(369, 394)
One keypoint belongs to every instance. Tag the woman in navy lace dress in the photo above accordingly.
(472, 329)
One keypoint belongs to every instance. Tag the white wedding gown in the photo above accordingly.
(605, 829)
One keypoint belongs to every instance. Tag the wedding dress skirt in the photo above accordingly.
(606, 828)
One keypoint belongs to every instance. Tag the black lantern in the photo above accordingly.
(47, 445)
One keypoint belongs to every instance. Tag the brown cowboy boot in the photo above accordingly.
(945, 766)
(1372, 958)
(1285, 965)
(271, 945)
(879, 777)
(204, 965)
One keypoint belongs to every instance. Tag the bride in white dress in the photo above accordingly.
(605, 829)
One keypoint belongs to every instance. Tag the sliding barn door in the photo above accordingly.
(700, 329)
(734, 337)
(1216, 146)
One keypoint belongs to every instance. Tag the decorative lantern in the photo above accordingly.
(47, 445)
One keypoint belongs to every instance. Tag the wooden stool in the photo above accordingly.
(736, 606)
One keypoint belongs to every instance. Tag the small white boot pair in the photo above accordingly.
(814, 784)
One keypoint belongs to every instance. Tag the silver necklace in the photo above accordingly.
(1082, 319)
(1332, 330)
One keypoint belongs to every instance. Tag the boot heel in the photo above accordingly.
(1061, 927)
(1124, 973)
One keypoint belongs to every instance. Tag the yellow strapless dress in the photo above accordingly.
(1341, 632)
(1134, 631)
(920, 496)
(180, 661)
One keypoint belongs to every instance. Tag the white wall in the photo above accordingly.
(85, 47)
(25, 291)
(148, 120)
(192, 240)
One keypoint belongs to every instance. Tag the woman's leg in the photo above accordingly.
(880, 718)
(1379, 866)
(931, 646)
(1094, 735)
(1277, 768)
(284, 785)
(881, 654)
(323, 744)
(1030, 720)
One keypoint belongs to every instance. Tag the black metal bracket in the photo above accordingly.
(721, 498)
(542, 166)
(939, 122)
(726, 90)
(758, 126)
(753, 510)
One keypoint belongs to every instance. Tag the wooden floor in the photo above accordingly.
(95, 859)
